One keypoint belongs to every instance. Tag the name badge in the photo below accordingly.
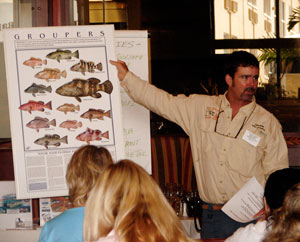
(251, 138)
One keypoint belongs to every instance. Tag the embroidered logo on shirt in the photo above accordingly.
(211, 113)
(259, 126)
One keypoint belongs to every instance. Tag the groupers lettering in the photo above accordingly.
(81, 88)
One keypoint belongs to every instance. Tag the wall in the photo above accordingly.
(4, 120)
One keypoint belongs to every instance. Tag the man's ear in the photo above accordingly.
(267, 208)
(228, 80)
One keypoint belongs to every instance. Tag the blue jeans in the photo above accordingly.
(216, 224)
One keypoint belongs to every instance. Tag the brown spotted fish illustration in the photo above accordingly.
(53, 140)
(50, 74)
(68, 107)
(86, 66)
(96, 114)
(82, 88)
(60, 54)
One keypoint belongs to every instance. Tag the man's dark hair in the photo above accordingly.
(239, 58)
(278, 183)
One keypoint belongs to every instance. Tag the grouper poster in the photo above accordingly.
(63, 94)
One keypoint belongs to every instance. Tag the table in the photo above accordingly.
(15, 235)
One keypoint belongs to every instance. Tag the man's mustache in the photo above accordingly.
(249, 89)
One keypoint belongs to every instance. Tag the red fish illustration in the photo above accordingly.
(35, 106)
(71, 124)
(38, 123)
(91, 135)
(33, 62)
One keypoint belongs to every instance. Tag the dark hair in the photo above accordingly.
(278, 183)
(239, 58)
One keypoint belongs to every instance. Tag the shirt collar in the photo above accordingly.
(246, 110)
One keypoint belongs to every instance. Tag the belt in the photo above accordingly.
(214, 206)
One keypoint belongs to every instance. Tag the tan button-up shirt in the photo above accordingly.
(226, 152)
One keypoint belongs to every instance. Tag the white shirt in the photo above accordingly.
(250, 233)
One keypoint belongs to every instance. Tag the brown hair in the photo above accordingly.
(85, 167)
(127, 200)
(286, 225)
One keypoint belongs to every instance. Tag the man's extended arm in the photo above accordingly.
(174, 108)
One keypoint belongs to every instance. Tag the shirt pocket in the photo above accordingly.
(207, 124)
(245, 158)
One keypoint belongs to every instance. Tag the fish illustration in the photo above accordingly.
(49, 73)
(68, 107)
(53, 140)
(91, 135)
(38, 123)
(71, 124)
(33, 62)
(63, 54)
(34, 88)
(35, 106)
(88, 66)
(96, 114)
(82, 88)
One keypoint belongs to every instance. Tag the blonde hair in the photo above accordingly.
(286, 225)
(127, 200)
(86, 165)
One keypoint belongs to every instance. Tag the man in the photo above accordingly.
(232, 138)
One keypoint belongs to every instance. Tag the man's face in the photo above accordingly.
(244, 84)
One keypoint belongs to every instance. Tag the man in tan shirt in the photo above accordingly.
(232, 137)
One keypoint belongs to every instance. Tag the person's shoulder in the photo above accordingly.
(205, 98)
(265, 114)
(262, 110)
(111, 237)
(72, 214)
(67, 226)
(250, 233)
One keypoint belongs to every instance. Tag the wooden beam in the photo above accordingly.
(256, 43)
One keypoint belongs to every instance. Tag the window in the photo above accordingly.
(267, 7)
(260, 32)
(283, 23)
(268, 26)
(252, 2)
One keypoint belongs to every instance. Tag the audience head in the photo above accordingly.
(286, 225)
(127, 200)
(278, 183)
(85, 167)
(239, 58)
